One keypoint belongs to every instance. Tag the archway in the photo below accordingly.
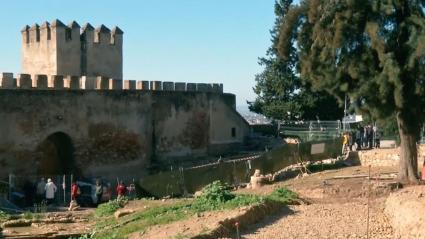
(56, 155)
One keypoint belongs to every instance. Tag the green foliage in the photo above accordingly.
(142, 220)
(216, 196)
(29, 215)
(4, 216)
(283, 195)
(372, 51)
(213, 196)
(281, 93)
(110, 207)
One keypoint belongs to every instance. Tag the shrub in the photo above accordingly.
(213, 196)
(4, 216)
(283, 195)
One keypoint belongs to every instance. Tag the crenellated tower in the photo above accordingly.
(58, 49)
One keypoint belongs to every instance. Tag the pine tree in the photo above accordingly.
(372, 50)
(281, 94)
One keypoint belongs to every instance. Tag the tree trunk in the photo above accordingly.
(408, 165)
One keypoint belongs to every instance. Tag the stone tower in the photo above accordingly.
(56, 49)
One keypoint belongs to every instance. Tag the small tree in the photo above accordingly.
(281, 94)
(372, 50)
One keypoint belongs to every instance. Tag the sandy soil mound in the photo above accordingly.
(406, 211)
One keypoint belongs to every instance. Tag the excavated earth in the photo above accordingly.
(336, 203)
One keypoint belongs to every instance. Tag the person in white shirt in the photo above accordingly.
(50, 191)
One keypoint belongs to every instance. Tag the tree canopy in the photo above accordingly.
(372, 50)
(281, 94)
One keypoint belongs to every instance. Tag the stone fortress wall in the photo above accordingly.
(72, 112)
(106, 127)
(58, 82)
(56, 49)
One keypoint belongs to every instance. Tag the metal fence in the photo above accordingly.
(312, 130)
(189, 180)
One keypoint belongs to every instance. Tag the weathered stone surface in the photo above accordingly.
(41, 81)
(7, 81)
(180, 86)
(386, 157)
(191, 86)
(115, 84)
(156, 85)
(112, 131)
(89, 82)
(129, 85)
(24, 81)
(143, 85)
(202, 87)
(58, 82)
(102, 83)
(168, 86)
(75, 82)
(216, 88)
(63, 54)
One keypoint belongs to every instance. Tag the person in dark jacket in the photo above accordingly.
(359, 138)
(99, 191)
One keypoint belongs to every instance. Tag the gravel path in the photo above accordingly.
(336, 220)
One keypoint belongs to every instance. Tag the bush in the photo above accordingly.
(4, 216)
(213, 196)
(283, 195)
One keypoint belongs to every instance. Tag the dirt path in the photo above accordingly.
(336, 220)
(338, 208)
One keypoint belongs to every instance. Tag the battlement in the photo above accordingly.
(59, 82)
(72, 32)
(58, 49)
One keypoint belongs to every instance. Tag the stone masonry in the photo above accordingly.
(56, 49)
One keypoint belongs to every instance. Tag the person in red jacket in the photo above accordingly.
(74, 191)
(73, 205)
(121, 190)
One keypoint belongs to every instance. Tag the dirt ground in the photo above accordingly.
(190, 227)
(338, 208)
(335, 207)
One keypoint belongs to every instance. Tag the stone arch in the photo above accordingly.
(56, 155)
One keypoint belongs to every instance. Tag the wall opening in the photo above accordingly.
(233, 132)
(56, 155)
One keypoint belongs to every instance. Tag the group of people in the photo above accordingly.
(366, 137)
(46, 191)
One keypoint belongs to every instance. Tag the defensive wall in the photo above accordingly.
(98, 126)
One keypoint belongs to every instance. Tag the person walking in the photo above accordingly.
(73, 205)
(359, 139)
(121, 190)
(370, 136)
(344, 143)
(40, 190)
(50, 189)
(74, 191)
(99, 191)
(377, 139)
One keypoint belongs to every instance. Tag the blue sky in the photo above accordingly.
(168, 40)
